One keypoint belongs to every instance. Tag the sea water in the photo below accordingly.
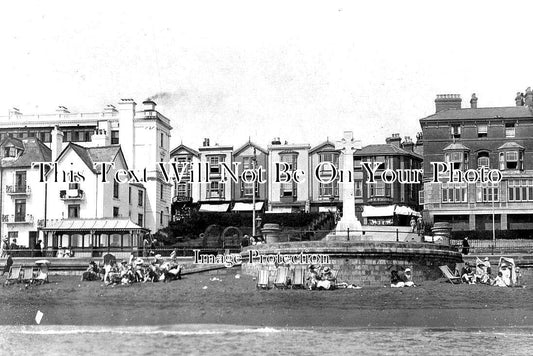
(244, 340)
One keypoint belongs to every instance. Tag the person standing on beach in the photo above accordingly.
(9, 263)
(466, 246)
(4, 247)
(38, 249)
(413, 224)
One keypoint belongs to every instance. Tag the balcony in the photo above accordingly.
(17, 219)
(71, 194)
(380, 200)
(18, 189)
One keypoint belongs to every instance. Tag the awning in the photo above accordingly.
(248, 206)
(280, 210)
(327, 209)
(92, 225)
(213, 208)
(378, 211)
(405, 210)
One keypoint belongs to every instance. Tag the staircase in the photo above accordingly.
(322, 225)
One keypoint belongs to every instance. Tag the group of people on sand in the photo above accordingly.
(401, 278)
(320, 277)
(134, 270)
(482, 274)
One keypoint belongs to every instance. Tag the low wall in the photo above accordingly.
(363, 263)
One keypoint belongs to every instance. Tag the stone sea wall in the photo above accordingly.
(361, 263)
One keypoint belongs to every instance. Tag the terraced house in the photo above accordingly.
(498, 138)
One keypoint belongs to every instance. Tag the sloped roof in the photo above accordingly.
(511, 145)
(248, 144)
(114, 224)
(183, 147)
(510, 112)
(384, 149)
(13, 142)
(456, 146)
(90, 155)
(33, 151)
(322, 145)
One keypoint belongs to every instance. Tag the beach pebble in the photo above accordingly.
(237, 276)
(205, 287)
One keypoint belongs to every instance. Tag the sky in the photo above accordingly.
(303, 71)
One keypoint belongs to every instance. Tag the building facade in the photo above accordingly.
(475, 139)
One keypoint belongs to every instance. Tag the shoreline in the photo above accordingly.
(231, 301)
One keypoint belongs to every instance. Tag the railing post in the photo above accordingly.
(397, 237)
(348, 230)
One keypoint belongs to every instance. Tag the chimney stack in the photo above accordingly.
(528, 100)
(15, 113)
(408, 144)
(394, 140)
(206, 142)
(149, 108)
(276, 141)
(110, 109)
(447, 101)
(519, 99)
(57, 142)
(473, 101)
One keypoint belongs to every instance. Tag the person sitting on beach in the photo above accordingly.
(408, 278)
(312, 278)
(326, 280)
(499, 281)
(42, 276)
(112, 275)
(506, 273)
(395, 280)
(91, 274)
(488, 269)
(518, 275)
(466, 274)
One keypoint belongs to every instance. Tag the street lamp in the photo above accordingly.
(254, 161)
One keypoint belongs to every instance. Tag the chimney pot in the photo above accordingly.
(528, 97)
(519, 99)
(394, 140)
(473, 101)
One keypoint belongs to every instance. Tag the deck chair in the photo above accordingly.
(262, 279)
(282, 275)
(449, 275)
(14, 275)
(298, 280)
(510, 275)
(27, 274)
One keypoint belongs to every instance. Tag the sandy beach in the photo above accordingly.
(230, 300)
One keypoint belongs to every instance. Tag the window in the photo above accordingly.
(87, 136)
(214, 164)
(358, 188)
(140, 198)
(520, 190)
(115, 189)
(379, 189)
(20, 181)
(161, 218)
(328, 190)
(357, 162)
(482, 130)
(511, 160)
(74, 186)
(161, 191)
(10, 152)
(140, 219)
(215, 190)
(289, 189)
(454, 192)
(509, 130)
(114, 137)
(115, 212)
(129, 195)
(68, 136)
(20, 210)
(487, 193)
(483, 160)
(455, 130)
(459, 159)
(162, 141)
(73, 211)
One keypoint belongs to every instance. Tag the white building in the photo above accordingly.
(141, 137)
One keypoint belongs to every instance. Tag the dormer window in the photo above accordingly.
(455, 130)
(511, 156)
(459, 159)
(10, 152)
